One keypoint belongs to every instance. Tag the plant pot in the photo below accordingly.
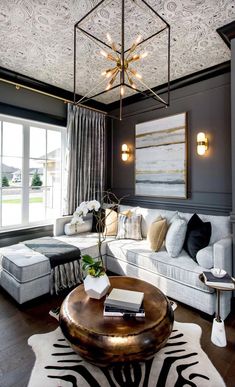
(96, 287)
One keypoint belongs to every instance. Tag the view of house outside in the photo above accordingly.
(43, 168)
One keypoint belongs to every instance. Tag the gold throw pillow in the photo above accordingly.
(156, 233)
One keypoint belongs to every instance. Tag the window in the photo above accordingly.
(31, 166)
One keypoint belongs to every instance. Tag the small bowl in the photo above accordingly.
(219, 273)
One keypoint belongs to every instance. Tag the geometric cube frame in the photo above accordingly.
(120, 54)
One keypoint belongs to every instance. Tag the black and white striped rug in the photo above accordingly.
(181, 362)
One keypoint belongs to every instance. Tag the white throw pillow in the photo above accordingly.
(72, 229)
(175, 237)
(205, 258)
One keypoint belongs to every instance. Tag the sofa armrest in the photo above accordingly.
(222, 252)
(60, 223)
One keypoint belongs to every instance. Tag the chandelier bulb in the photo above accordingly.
(122, 91)
(109, 38)
(144, 55)
(138, 39)
(103, 53)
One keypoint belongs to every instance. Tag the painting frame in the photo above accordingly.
(163, 173)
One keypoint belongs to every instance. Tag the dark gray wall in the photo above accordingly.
(32, 105)
(209, 177)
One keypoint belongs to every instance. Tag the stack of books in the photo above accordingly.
(124, 303)
(225, 282)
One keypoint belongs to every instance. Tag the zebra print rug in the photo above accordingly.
(181, 362)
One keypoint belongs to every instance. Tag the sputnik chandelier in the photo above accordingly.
(121, 53)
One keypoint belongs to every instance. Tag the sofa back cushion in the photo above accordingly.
(220, 225)
(149, 215)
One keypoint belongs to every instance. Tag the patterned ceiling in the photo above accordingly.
(36, 39)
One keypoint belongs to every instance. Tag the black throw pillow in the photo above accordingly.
(197, 236)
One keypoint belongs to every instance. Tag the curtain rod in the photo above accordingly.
(18, 86)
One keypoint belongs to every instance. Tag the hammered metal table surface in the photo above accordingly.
(108, 340)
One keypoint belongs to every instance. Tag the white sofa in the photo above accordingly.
(176, 277)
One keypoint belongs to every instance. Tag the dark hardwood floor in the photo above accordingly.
(18, 323)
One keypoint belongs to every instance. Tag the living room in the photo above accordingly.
(46, 101)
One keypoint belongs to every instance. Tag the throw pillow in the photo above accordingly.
(175, 237)
(129, 227)
(197, 236)
(73, 229)
(204, 257)
(156, 233)
(111, 218)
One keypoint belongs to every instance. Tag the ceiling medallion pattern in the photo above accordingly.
(36, 38)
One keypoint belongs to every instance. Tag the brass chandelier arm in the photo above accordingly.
(156, 95)
(86, 95)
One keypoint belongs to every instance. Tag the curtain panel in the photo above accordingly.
(85, 156)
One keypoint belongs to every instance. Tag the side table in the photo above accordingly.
(218, 335)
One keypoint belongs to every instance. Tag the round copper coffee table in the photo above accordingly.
(108, 340)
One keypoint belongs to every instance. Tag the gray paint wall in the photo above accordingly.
(30, 100)
(209, 177)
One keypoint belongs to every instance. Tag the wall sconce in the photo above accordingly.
(125, 152)
(202, 143)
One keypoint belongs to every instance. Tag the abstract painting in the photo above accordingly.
(160, 168)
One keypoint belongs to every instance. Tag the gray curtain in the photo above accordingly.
(85, 156)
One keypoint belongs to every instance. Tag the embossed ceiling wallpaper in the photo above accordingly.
(36, 39)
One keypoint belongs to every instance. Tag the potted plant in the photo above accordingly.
(96, 283)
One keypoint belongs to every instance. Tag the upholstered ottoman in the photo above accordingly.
(25, 273)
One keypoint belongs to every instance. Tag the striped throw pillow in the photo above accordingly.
(129, 227)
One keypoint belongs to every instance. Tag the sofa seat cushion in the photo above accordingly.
(181, 269)
(86, 242)
(23, 263)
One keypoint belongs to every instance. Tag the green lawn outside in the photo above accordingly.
(18, 201)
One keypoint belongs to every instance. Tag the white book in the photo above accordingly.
(127, 299)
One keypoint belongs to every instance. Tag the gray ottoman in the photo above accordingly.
(25, 273)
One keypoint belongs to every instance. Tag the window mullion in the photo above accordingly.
(25, 174)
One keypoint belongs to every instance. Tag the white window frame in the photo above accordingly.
(26, 124)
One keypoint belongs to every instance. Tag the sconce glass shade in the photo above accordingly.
(202, 143)
(125, 152)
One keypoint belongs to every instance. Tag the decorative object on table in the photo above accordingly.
(122, 298)
(102, 213)
(137, 31)
(218, 335)
(161, 163)
(224, 282)
(112, 311)
(96, 283)
(162, 370)
(219, 273)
